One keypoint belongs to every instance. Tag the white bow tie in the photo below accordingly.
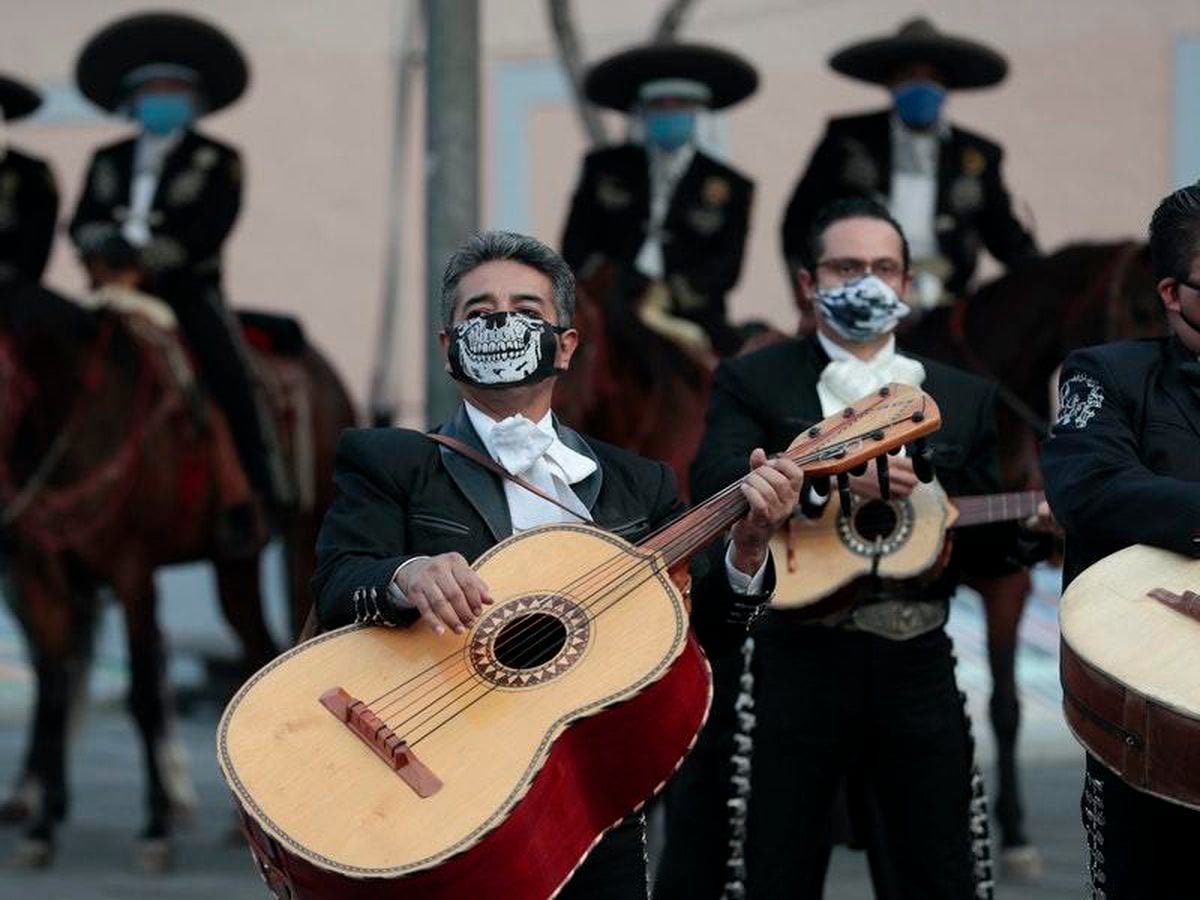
(847, 380)
(519, 444)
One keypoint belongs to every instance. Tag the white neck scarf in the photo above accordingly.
(534, 452)
(847, 378)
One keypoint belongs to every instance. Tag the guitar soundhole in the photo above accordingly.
(530, 640)
(527, 642)
(875, 519)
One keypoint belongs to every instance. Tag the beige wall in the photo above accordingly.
(1085, 118)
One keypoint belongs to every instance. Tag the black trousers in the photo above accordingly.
(830, 702)
(1140, 847)
(213, 336)
(616, 867)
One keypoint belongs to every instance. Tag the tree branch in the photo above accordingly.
(570, 56)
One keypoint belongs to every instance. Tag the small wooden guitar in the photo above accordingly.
(396, 763)
(1130, 668)
(896, 539)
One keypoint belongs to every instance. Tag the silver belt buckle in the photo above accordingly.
(899, 620)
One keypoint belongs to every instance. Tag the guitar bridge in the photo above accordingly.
(384, 743)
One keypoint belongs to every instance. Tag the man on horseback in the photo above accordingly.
(942, 183)
(1122, 467)
(173, 195)
(28, 195)
(410, 513)
(668, 218)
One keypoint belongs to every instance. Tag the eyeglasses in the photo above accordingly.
(1188, 284)
(849, 268)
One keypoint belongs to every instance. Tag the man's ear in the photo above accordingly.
(806, 285)
(1168, 290)
(444, 343)
(568, 343)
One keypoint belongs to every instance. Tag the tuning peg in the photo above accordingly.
(814, 497)
(843, 484)
(922, 464)
(859, 470)
(885, 480)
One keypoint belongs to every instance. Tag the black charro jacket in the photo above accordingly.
(973, 211)
(1122, 465)
(705, 228)
(28, 213)
(195, 205)
(401, 495)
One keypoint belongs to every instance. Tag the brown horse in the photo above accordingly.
(107, 472)
(629, 385)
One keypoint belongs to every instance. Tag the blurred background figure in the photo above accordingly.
(28, 194)
(668, 219)
(941, 182)
(174, 194)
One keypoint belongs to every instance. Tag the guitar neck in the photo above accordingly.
(984, 509)
(873, 427)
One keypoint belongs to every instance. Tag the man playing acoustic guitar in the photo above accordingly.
(1121, 468)
(410, 514)
(871, 688)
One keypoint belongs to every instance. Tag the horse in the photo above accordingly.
(630, 385)
(107, 471)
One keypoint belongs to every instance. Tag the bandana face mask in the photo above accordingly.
(863, 309)
(503, 349)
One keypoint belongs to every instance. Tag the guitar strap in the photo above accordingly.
(492, 466)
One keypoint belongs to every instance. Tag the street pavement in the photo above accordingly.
(97, 846)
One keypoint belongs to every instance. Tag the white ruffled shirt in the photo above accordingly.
(846, 379)
(149, 155)
(666, 169)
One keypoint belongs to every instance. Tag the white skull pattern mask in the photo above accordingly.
(503, 349)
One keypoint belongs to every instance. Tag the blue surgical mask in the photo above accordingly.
(919, 103)
(670, 129)
(163, 113)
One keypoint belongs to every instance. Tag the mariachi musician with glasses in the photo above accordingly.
(869, 689)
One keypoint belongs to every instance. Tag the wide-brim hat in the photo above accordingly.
(963, 63)
(161, 41)
(17, 99)
(615, 82)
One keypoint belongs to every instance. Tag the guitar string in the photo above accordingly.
(601, 569)
(552, 630)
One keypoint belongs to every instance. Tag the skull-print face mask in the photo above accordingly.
(503, 349)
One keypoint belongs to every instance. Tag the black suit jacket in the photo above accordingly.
(765, 399)
(1122, 465)
(28, 213)
(195, 205)
(973, 207)
(705, 227)
(400, 495)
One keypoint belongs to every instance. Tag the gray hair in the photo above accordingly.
(485, 246)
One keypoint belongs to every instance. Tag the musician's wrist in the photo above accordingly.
(748, 556)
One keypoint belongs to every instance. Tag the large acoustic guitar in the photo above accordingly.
(899, 538)
(1130, 667)
(396, 763)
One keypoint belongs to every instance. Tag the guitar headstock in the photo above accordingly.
(895, 415)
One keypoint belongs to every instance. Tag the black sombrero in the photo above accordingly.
(17, 100)
(963, 63)
(615, 82)
(169, 40)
